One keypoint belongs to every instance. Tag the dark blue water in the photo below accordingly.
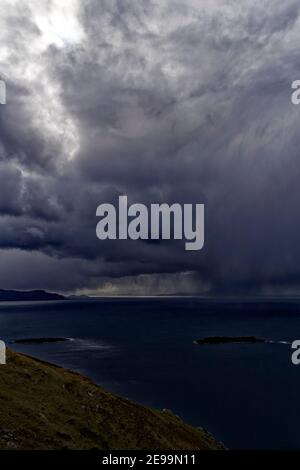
(247, 395)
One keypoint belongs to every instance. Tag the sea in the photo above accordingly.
(246, 395)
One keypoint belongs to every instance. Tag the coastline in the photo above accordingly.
(44, 406)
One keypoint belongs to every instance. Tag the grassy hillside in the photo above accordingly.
(46, 407)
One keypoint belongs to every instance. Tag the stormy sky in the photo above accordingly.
(166, 101)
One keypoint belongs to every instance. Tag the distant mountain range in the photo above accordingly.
(16, 295)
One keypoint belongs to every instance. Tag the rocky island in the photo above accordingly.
(38, 340)
(229, 339)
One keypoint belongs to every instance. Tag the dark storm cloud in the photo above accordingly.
(165, 102)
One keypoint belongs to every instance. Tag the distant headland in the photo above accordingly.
(16, 295)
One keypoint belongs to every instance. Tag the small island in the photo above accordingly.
(38, 340)
(229, 339)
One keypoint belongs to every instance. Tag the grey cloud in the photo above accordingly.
(192, 109)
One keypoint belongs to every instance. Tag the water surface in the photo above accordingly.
(247, 395)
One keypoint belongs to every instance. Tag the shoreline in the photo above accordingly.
(45, 406)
